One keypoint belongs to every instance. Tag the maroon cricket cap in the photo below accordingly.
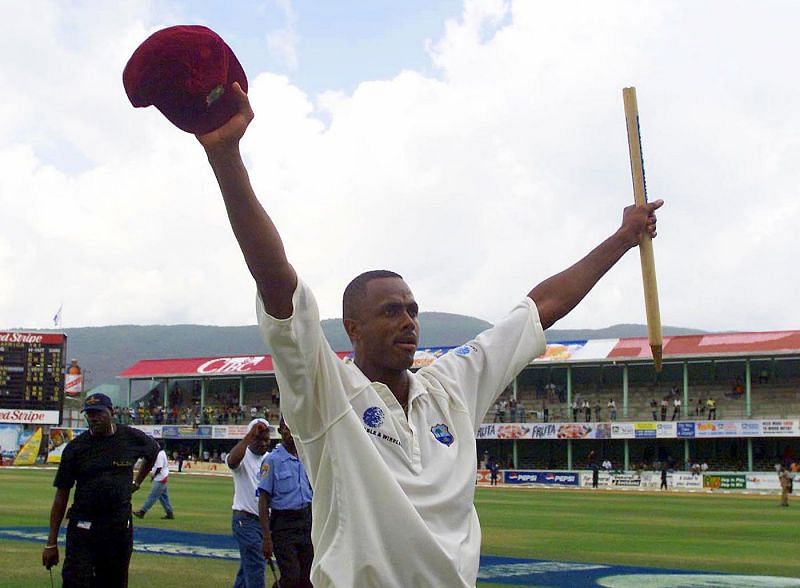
(186, 72)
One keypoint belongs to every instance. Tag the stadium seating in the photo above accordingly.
(780, 400)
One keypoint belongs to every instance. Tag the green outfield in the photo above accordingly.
(714, 532)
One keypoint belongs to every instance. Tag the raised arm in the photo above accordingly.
(236, 455)
(258, 238)
(559, 294)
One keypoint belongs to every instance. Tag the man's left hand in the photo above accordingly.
(638, 220)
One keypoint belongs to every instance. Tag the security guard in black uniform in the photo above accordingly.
(99, 463)
(284, 505)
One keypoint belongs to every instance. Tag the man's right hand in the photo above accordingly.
(232, 131)
(252, 434)
(50, 557)
(266, 547)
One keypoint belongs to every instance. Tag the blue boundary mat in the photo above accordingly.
(561, 574)
(493, 569)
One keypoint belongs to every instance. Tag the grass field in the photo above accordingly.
(713, 532)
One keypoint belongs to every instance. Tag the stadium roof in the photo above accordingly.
(730, 345)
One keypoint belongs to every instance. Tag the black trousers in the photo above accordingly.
(291, 544)
(97, 557)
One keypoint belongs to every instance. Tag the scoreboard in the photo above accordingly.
(31, 376)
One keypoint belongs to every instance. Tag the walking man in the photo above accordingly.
(158, 489)
(676, 412)
(785, 479)
(494, 470)
(712, 408)
(99, 463)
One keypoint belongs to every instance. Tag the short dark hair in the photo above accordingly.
(357, 289)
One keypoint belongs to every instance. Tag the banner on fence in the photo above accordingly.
(186, 432)
(27, 455)
(57, 440)
(725, 481)
(762, 481)
(554, 478)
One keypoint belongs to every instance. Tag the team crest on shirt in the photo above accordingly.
(465, 350)
(443, 434)
(373, 417)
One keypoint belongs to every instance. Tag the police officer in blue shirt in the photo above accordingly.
(284, 506)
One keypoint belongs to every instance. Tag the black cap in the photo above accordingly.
(97, 402)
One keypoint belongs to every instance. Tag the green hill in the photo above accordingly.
(103, 352)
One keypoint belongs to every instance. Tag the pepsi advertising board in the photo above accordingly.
(540, 477)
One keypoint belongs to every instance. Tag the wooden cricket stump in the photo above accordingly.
(646, 256)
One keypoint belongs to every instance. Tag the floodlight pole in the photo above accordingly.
(202, 398)
(685, 407)
(569, 407)
(166, 399)
(747, 375)
(625, 391)
(627, 456)
(514, 449)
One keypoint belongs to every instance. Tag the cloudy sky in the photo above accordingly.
(475, 147)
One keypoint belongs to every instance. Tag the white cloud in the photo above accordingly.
(282, 43)
(475, 185)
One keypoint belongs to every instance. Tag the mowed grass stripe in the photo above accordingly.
(711, 532)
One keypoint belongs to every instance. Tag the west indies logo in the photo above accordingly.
(442, 434)
(465, 350)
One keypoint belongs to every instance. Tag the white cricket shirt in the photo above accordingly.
(393, 496)
(245, 481)
(163, 463)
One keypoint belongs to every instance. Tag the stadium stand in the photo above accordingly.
(748, 375)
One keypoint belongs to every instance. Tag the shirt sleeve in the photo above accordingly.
(266, 482)
(147, 446)
(160, 463)
(479, 371)
(310, 375)
(65, 476)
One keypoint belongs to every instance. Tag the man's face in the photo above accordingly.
(385, 332)
(260, 442)
(286, 437)
(99, 421)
